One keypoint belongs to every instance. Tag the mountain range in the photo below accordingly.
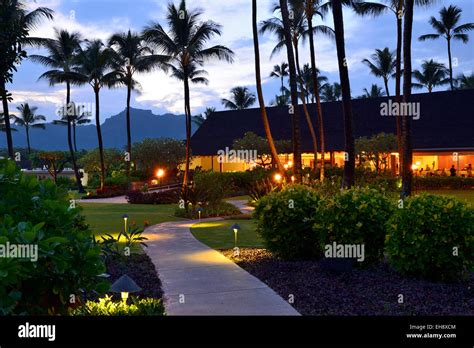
(144, 124)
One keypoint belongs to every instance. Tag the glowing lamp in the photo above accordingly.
(277, 177)
(235, 228)
(290, 164)
(160, 173)
(125, 285)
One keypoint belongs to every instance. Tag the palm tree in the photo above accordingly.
(307, 76)
(374, 92)
(29, 119)
(433, 74)
(209, 111)
(135, 57)
(95, 67)
(199, 119)
(331, 92)
(184, 44)
(241, 98)
(447, 28)
(465, 81)
(83, 118)
(2, 123)
(280, 71)
(383, 65)
(261, 101)
(15, 24)
(62, 53)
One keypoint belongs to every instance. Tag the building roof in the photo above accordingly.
(446, 122)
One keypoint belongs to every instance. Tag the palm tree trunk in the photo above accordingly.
(385, 81)
(407, 174)
(69, 141)
(349, 166)
(261, 101)
(294, 92)
(129, 131)
(187, 111)
(27, 129)
(99, 138)
(305, 109)
(74, 134)
(450, 65)
(282, 86)
(6, 115)
(316, 91)
(398, 77)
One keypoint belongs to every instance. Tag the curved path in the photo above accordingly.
(198, 280)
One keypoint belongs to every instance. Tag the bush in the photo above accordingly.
(39, 213)
(67, 183)
(220, 209)
(107, 307)
(106, 192)
(356, 216)
(162, 197)
(423, 234)
(285, 219)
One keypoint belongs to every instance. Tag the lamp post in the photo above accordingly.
(199, 211)
(159, 174)
(236, 228)
(125, 285)
(125, 218)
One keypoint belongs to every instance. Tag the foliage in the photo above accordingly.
(106, 192)
(113, 161)
(53, 161)
(241, 98)
(130, 238)
(262, 188)
(107, 307)
(439, 182)
(356, 216)
(33, 212)
(423, 236)
(376, 150)
(285, 219)
(164, 153)
(220, 208)
(162, 197)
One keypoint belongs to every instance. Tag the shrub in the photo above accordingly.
(106, 192)
(67, 183)
(356, 216)
(162, 197)
(107, 307)
(423, 234)
(221, 209)
(212, 187)
(284, 220)
(39, 213)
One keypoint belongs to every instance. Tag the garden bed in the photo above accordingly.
(373, 291)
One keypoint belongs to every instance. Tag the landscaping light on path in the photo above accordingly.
(199, 211)
(236, 229)
(125, 218)
(125, 285)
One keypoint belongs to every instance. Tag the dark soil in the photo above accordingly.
(138, 267)
(373, 291)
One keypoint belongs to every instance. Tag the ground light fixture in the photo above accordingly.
(235, 228)
(125, 285)
(199, 211)
(125, 219)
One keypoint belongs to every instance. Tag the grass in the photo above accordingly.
(108, 218)
(218, 234)
(463, 195)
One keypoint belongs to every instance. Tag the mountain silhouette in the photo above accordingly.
(144, 124)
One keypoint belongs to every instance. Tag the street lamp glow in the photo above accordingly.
(277, 177)
(160, 173)
(290, 164)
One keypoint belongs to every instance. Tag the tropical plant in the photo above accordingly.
(331, 92)
(184, 44)
(383, 65)
(433, 74)
(374, 92)
(465, 81)
(106, 306)
(61, 58)
(447, 27)
(3, 128)
(280, 72)
(81, 119)
(307, 76)
(91, 161)
(241, 98)
(28, 119)
(95, 66)
(134, 57)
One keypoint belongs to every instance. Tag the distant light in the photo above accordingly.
(293, 178)
(277, 177)
(285, 166)
(290, 164)
(160, 173)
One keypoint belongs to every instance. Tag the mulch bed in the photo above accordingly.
(373, 291)
(140, 268)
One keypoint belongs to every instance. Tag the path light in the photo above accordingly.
(277, 177)
(235, 228)
(199, 211)
(125, 218)
(125, 285)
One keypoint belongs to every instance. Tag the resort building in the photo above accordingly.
(442, 131)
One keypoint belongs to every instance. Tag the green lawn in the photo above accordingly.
(218, 234)
(107, 218)
(463, 195)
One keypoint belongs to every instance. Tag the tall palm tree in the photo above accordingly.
(331, 92)
(209, 111)
(95, 66)
(241, 98)
(135, 57)
(2, 123)
(184, 44)
(28, 119)
(15, 24)
(81, 119)
(280, 71)
(62, 53)
(261, 101)
(465, 81)
(433, 74)
(374, 92)
(447, 27)
(307, 76)
(383, 65)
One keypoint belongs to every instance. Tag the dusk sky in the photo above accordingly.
(161, 93)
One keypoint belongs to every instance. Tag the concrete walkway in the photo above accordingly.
(198, 280)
